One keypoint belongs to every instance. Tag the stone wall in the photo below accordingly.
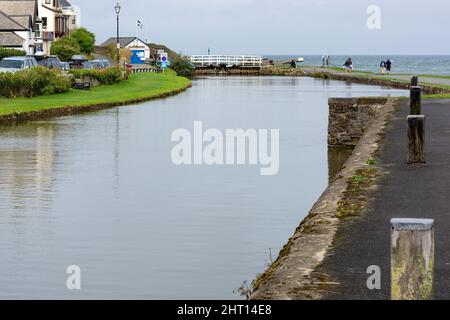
(349, 119)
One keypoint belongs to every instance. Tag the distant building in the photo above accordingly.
(32, 25)
(140, 51)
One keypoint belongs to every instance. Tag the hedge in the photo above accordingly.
(33, 82)
(11, 53)
(103, 76)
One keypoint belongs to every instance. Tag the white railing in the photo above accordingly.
(226, 60)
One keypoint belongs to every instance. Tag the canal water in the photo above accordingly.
(100, 191)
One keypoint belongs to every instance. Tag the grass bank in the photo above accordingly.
(140, 87)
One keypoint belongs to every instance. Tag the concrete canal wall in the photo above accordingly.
(293, 275)
(349, 119)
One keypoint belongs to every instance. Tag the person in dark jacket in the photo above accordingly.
(348, 65)
(388, 65)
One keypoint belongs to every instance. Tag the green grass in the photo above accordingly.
(138, 87)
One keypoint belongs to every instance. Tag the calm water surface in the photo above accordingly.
(99, 191)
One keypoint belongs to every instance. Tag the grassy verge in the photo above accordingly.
(139, 87)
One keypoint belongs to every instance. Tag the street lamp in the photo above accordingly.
(117, 8)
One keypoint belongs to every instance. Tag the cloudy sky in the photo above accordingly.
(278, 26)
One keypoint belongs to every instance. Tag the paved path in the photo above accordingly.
(404, 77)
(405, 191)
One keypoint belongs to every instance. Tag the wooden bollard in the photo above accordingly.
(416, 140)
(414, 81)
(416, 100)
(412, 259)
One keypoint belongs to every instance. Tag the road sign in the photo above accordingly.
(164, 57)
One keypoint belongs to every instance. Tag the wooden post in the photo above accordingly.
(414, 81)
(412, 259)
(416, 100)
(416, 139)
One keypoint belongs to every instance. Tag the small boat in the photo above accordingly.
(300, 60)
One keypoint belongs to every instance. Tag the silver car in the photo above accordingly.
(14, 64)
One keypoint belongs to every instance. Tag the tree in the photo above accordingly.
(183, 67)
(85, 39)
(65, 48)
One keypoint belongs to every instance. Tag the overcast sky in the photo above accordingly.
(278, 26)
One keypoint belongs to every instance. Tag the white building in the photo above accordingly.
(140, 51)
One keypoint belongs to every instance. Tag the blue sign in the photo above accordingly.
(164, 64)
(137, 57)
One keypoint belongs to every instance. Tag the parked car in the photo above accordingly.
(65, 66)
(106, 63)
(100, 63)
(80, 62)
(96, 64)
(14, 64)
(51, 62)
(87, 65)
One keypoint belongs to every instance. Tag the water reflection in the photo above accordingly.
(26, 170)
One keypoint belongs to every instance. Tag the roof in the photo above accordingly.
(9, 24)
(24, 20)
(124, 41)
(64, 3)
(10, 39)
(19, 7)
(19, 10)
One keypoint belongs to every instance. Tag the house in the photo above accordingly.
(73, 13)
(18, 23)
(140, 51)
(54, 24)
(33, 25)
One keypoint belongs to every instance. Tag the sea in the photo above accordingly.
(408, 64)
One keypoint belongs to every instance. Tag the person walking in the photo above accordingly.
(383, 67)
(328, 61)
(388, 65)
(323, 61)
(293, 64)
(348, 65)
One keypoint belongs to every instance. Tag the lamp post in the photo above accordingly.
(117, 8)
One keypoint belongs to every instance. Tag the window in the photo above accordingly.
(44, 23)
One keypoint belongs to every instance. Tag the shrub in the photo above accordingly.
(33, 82)
(182, 67)
(11, 53)
(103, 76)
(85, 39)
(65, 48)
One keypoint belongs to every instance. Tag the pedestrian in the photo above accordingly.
(293, 64)
(388, 65)
(383, 67)
(323, 61)
(328, 61)
(348, 65)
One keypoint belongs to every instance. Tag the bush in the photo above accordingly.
(183, 67)
(33, 82)
(65, 48)
(11, 53)
(103, 76)
(85, 39)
